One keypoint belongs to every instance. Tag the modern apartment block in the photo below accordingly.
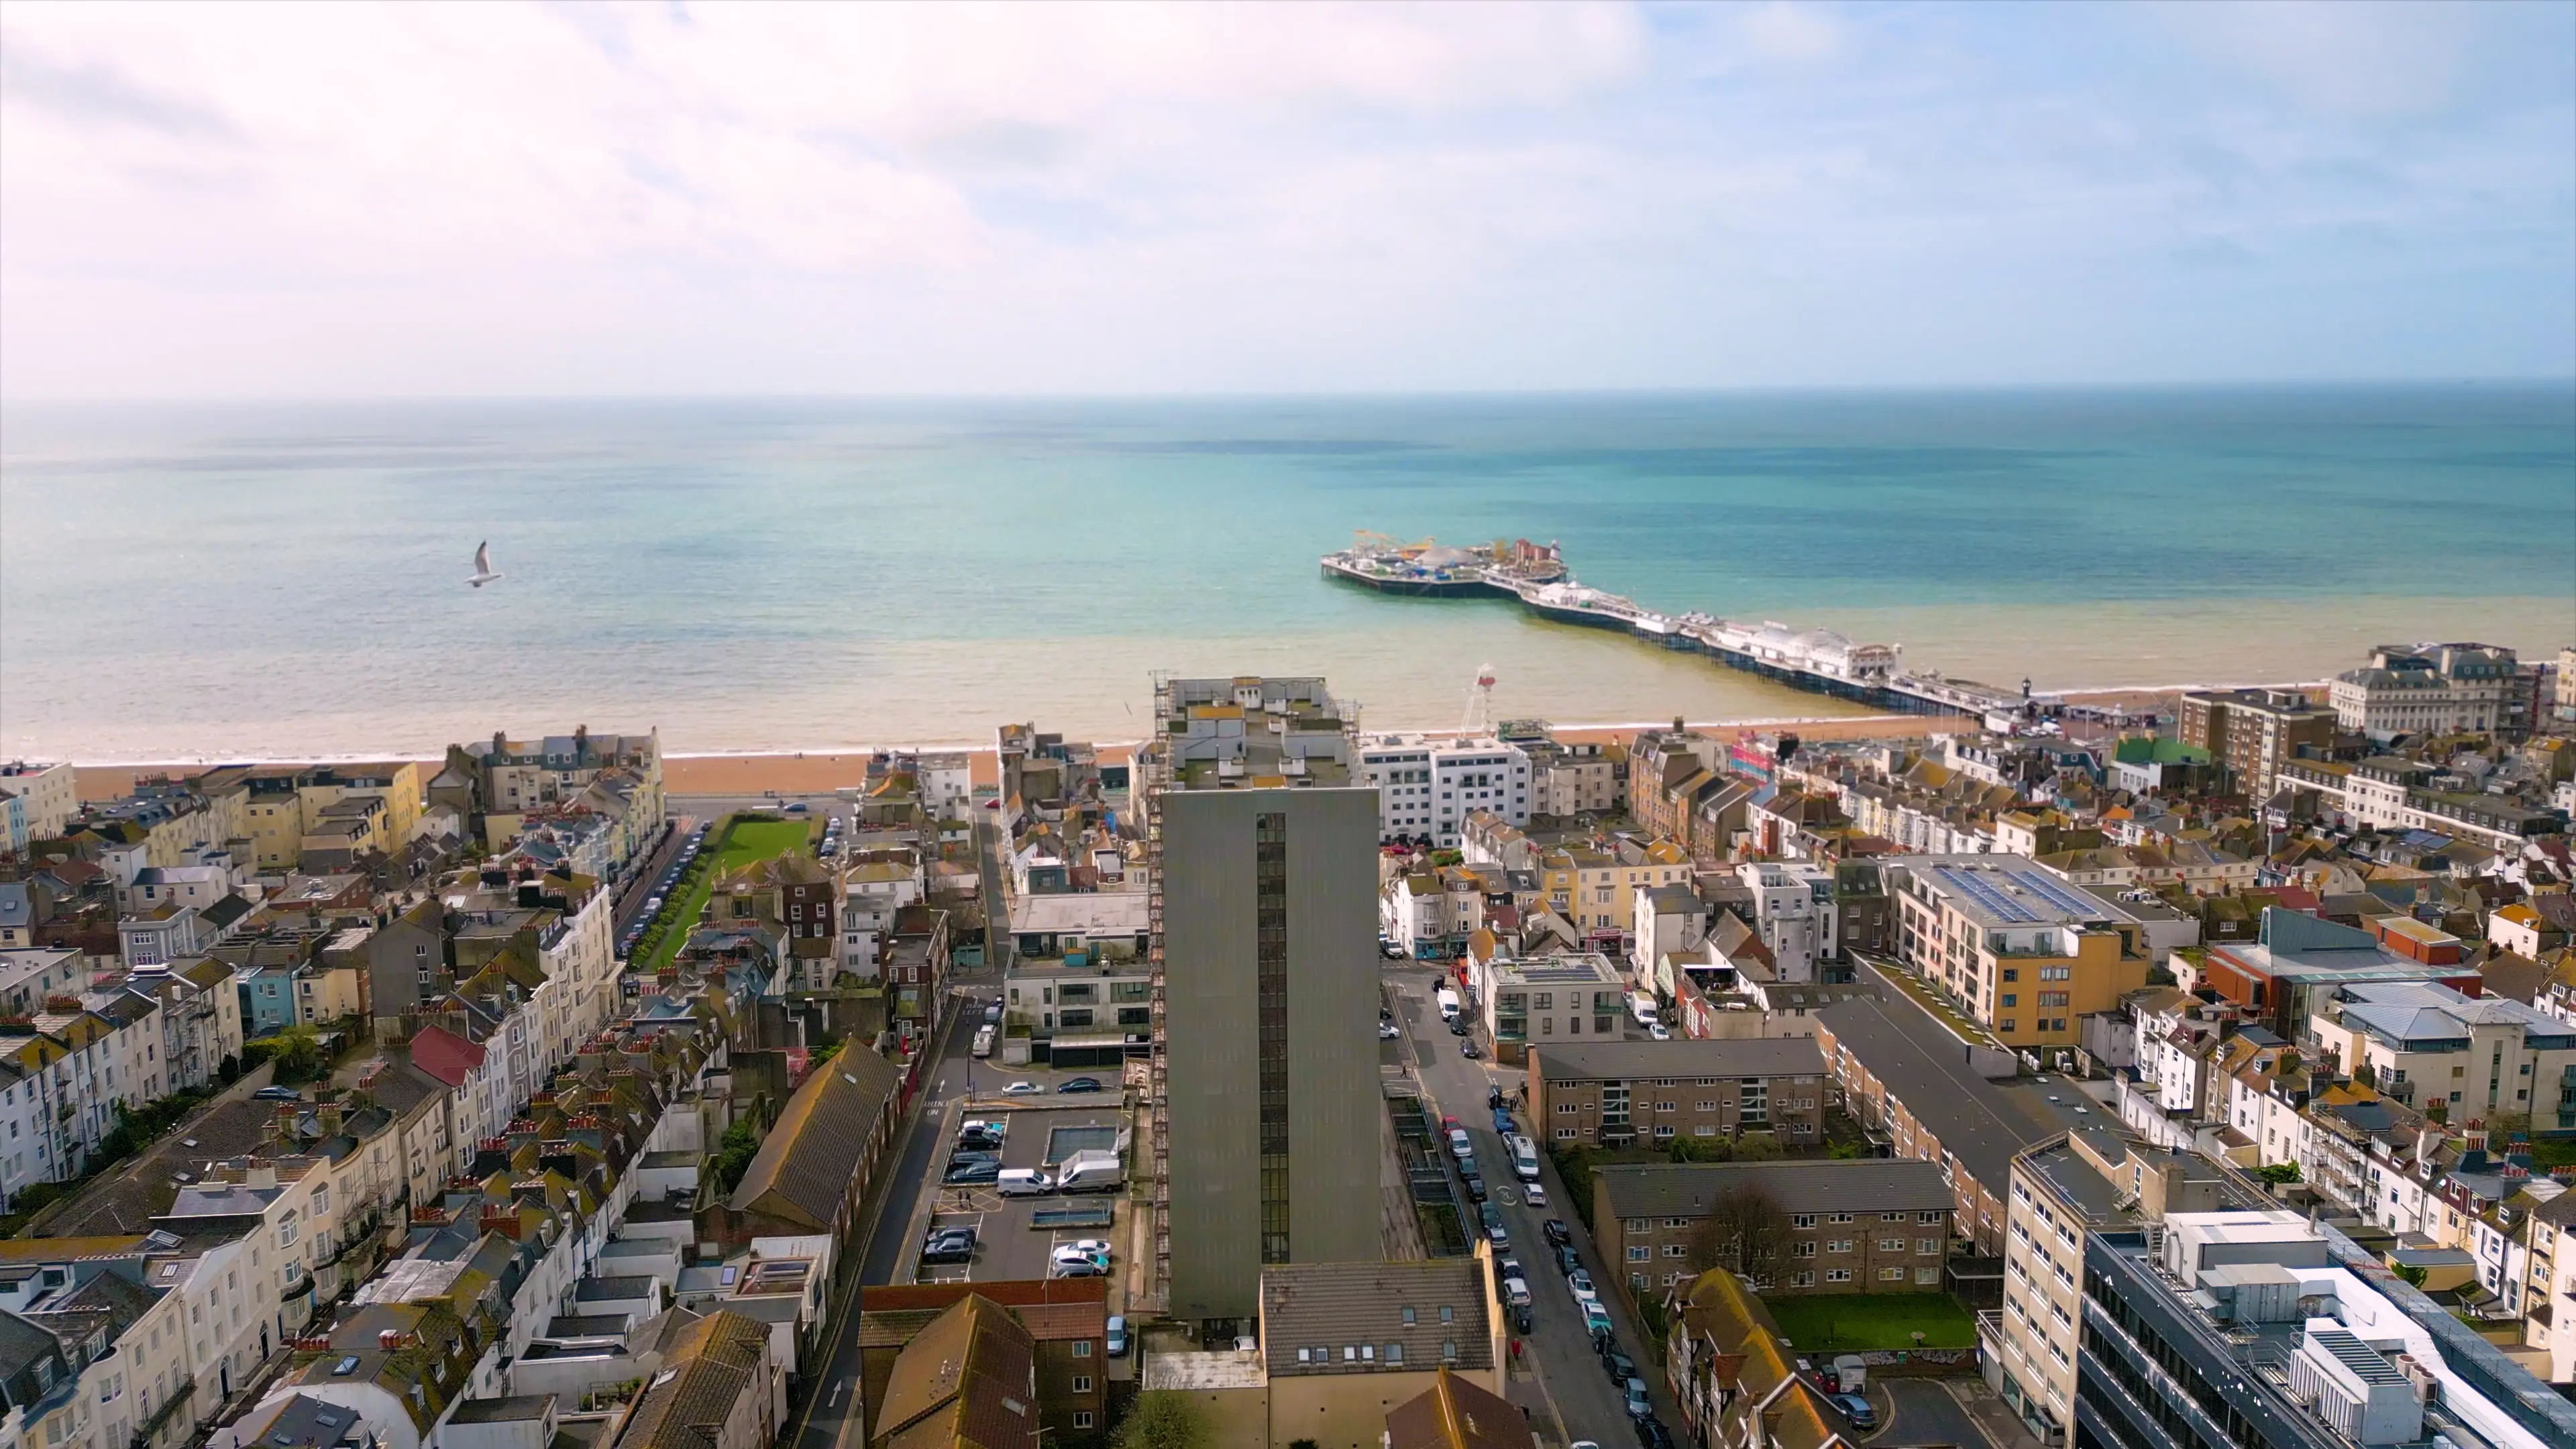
(2428, 689)
(2026, 953)
(1261, 840)
(1794, 909)
(2260, 1329)
(2254, 732)
(1427, 786)
(1610, 1093)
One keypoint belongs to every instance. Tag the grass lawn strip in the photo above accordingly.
(1826, 1323)
(743, 842)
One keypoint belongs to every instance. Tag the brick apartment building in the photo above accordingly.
(1655, 1091)
(1856, 1225)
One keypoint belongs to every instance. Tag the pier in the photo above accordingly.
(1820, 661)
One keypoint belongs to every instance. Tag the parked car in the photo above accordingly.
(1475, 1187)
(1457, 1026)
(1459, 1146)
(949, 1245)
(1639, 1406)
(1077, 1085)
(1117, 1345)
(1521, 1321)
(1390, 950)
(1657, 1031)
(1620, 1367)
(1024, 1182)
(1468, 1049)
(1024, 1089)
(1386, 1031)
(1534, 1194)
(1500, 1236)
(1597, 1319)
(1651, 1434)
(278, 1094)
(967, 1174)
(799, 808)
(1494, 1097)
(1077, 1268)
(1581, 1282)
(1858, 1410)
(1566, 1261)
(992, 1011)
(1554, 1229)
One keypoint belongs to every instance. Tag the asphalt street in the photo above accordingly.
(833, 1411)
(1576, 1387)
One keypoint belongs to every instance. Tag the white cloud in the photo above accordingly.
(588, 199)
(1779, 30)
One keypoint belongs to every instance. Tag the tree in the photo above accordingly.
(1758, 1147)
(1743, 1233)
(1161, 1419)
(1701, 1149)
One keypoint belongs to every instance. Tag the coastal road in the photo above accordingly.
(1576, 1386)
(831, 1413)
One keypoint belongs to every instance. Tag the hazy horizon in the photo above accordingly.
(263, 204)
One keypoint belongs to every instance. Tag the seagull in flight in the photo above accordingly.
(483, 573)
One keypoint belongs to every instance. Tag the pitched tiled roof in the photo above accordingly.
(1336, 1306)
(1454, 1413)
(967, 1379)
(445, 1055)
(711, 1364)
(1820, 1185)
(805, 1166)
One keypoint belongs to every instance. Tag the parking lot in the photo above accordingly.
(1016, 1235)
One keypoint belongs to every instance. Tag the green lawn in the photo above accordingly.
(743, 842)
(1851, 1322)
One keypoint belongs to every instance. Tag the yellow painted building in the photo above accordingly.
(1596, 889)
(2025, 953)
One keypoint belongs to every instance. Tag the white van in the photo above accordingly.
(1524, 1157)
(1448, 1000)
(1092, 1171)
(1023, 1182)
(1642, 1007)
(983, 1041)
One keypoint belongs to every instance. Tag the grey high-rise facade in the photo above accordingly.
(1264, 880)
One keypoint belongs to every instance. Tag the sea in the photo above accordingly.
(282, 581)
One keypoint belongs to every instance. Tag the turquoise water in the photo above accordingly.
(255, 580)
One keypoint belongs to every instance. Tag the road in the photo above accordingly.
(1586, 1404)
(833, 1411)
(637, 887)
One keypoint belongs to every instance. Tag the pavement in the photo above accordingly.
(1557, 1377)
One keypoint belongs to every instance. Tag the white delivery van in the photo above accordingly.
(983, 1041)
(1091, 1171)
(1448, 1000)
(1524, 1157)
(1023, 1182)
(1642, 1007)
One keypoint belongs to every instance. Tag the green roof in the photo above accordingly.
(2147, 750)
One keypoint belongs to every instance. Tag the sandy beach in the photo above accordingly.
(821, 772)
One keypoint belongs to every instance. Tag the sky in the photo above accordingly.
(210, 201)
